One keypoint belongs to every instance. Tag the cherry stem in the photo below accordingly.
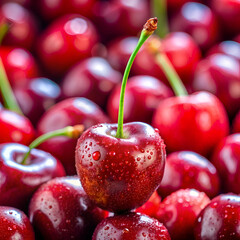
(4, 27)
(69, 131)
(159, 9)
(9, 99)
(148, 29)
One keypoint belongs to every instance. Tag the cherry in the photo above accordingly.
(67, 113)
(60, 209)
(219, 219)
(142, 96)
(175, 5)
(226, 158)
(220, 75)
(20, 180)
(14, 224)
(23, 26)
(92, 78)
(179, 211)
(130, 226)
(37, 97)
(199, 21)
(236, 123)
(66, 41)
(189, 170)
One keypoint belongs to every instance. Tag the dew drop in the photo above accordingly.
(112, 153)
(96, 155)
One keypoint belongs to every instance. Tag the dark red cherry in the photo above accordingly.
(19, 181)
(60, 209)
(23, 26)
(142, 96)
(68, 112)
(93, 78)
(226, 158)
(14, 224)
(175, 5)
(15, 128)
(220, 219)
(19, 64)
(196, 122)
(199, 21)
(37, 97)
(189, 170)
(236, 123)
(66, 41)
(179, 211)
(220, 75)
(130, 226)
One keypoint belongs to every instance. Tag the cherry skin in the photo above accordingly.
(68, 112)
(220, 219)
(195, 123)
(60, 209)
(179, 211)
(142, 96)
(66, 41)
(20, 181)
(199, 21)
(175, 5)
(23, 26)
(19, 64)
(37, 97)
(236, 123)
(14, 224)
(226, 158)
(130, 226)
(92, 78)
(220, 75)
(120, 174)
(189, 170)
(15, 128)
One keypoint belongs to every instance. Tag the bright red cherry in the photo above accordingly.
(220, 75)
(14, 224)
(130, 226)
(189, 170)
(220, 219)
(179, 211)
(236, 123)
(226, 158)
(143, 95)
(66, 41)
(19, 181)
(199, 21)
(23, 27)
(15, 128)
(68, 112)
(93, 78)
(60, 209)
(196, 122)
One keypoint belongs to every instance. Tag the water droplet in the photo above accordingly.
(149, 157)
(96, 155)
(112, 153)
(125, 230)
(90, 164)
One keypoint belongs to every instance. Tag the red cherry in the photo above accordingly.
(60, 209)
(179, 211)
(236, 123)
(14, 224)
(196, 122)
(189, 170)
(219, 219)
(66, 41)
(130, 226)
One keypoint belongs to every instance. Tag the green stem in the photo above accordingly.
(9, 99)
(3, 31)
(159, 9)
(69, 131)
(147, 31)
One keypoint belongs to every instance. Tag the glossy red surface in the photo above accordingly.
(236, 123)
(15, 128)
(127, 171)
(14, 224)
(196, 122)
(220, 219)
(130, 226)
(18, 181)
(60, 209)
(189, 170)
(179, 211)
(68, 112)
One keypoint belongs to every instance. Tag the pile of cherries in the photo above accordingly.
(152, 158)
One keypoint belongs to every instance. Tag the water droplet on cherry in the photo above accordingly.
(96, 155)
